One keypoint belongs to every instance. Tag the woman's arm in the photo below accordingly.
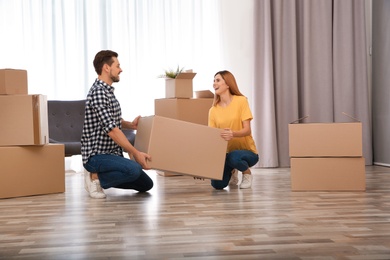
(227, 134)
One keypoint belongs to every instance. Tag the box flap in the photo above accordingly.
(186, 75)
(204, 94)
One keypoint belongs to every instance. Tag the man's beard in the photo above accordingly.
(115, 78)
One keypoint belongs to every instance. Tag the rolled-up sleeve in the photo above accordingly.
(102, 105)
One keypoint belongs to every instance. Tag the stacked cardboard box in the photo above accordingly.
(179, 87)
(179, 104)
(194, 110)
(327, 157)
(29, 165)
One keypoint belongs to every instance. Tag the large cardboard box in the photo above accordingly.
(24, 120)
(13, 82)
(32, 170)
(182, 147)
(328, 174)
(326, 140)
(180, 87)
(194, 110)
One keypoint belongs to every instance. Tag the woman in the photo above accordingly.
(231, 113)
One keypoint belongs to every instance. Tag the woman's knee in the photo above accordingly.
(233, 157)
(218, 185)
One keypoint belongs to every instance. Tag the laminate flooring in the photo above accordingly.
(183, 218)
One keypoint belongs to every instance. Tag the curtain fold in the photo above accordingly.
(350, 74)
(311, 60)
(263, 100)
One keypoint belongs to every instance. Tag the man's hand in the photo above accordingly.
(142, 159)
(135, 122)
(131, 124)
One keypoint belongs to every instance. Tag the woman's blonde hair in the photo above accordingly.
(231, 82)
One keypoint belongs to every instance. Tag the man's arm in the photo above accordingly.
(119, 137)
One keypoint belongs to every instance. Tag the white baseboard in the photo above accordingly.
(382, 164)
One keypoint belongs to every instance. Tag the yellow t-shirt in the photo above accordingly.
(232, 117)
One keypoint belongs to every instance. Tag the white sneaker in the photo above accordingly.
(93, 187)
(234, 178)
(246, 182)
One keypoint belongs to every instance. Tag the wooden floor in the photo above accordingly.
(183, 218)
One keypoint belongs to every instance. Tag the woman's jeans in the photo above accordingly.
(118, 172)
(238, 159)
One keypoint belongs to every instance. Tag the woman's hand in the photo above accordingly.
(227, 134)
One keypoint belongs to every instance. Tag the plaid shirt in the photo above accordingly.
(102, 114)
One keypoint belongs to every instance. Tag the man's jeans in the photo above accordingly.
(238, 159)
(118, 172)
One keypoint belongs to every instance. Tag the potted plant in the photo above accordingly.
(172, 73)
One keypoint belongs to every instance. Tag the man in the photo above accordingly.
(103, 142)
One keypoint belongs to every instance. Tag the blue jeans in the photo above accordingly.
(118, 172)
(238, 159)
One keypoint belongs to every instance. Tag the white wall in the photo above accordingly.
(237, 18)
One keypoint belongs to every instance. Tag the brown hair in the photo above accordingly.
(103, 57)
(231, 82)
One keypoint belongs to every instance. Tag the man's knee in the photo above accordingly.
(134, 167)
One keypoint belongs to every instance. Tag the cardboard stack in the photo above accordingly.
(194, 110)
(179, 103)
(327, 157)
(29, 164)
(181, 86)
(177, 136)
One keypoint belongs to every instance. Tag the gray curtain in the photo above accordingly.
(311, 60)
(381, 81)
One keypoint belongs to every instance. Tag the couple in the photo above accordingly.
(103, 142)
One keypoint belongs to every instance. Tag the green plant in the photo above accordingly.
(171, 73)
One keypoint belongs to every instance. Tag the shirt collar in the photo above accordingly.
(109, 87)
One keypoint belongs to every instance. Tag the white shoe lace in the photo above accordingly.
(95, 190)
(93, 187)
(234, 178)
(246, 181)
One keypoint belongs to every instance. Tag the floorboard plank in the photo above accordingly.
(183, 218)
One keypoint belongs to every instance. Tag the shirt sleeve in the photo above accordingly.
(211, 121)
(101, 104)
(246, 113)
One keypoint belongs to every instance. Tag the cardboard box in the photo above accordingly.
(180, 87)
(182, 147)
(13, 82)
(32, 170)
(328, 174)
(24, 120)
(167, 174)
(185, 109)
(204, 94)
(326, 140)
